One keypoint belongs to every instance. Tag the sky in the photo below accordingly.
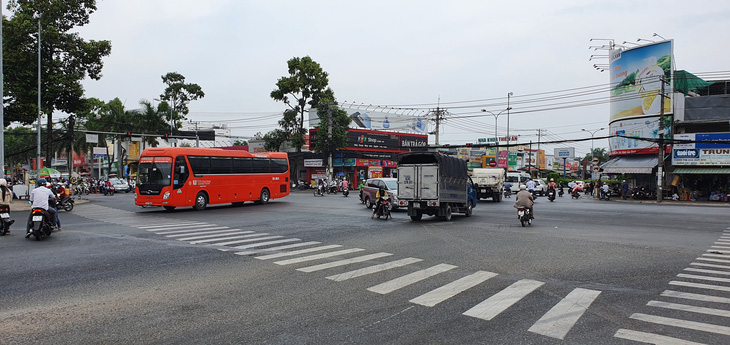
(461, 55)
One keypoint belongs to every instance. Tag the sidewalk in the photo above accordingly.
(23, 205)
(672, 202)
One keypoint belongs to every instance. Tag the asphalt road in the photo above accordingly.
(583, 273)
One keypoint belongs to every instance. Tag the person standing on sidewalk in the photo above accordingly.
(6, 196)
(624, 189)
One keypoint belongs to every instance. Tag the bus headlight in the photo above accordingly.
(166, 195)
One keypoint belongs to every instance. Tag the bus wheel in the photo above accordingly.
(201, 201)
(265, 196)
(169, 208)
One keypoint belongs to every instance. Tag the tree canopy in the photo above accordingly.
(178, 94)
(328, 111)
(306, 85)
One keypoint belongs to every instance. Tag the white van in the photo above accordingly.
(517, 179)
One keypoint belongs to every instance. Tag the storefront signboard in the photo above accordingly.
(702, 149)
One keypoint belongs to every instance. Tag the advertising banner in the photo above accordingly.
(502, 159)
(646, 128)
(709, 149)
(636, 80)
(380, 120)
(564, 152)
(311, 163)
(379, 141)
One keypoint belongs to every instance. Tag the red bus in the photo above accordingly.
(189, 176)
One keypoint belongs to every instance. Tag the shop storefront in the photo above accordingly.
(702, 166)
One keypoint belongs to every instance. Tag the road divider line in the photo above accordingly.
(318, 256)
(709, 265)
(700, 286)
(288, 246)
(264, 244)
(499, 302)
(707, 271)
(373, 269)
(694, 276)
(696, 297)
(409, 279)
(651, 338)
(698, 326)
(188, 231)
(247, 239)
(452, 289)
(558, 321)
(343, 262)
(690, 308)
(297, 252)
(714, 260)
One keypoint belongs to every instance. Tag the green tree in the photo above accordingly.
(274, 139)
(66, 59)
(329, 112)
(178, 94)
(240, 143)
(306, 84)
(20, 145)
(599, 153)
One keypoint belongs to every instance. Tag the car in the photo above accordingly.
(371, 187)
(540, 187)
(120, 185)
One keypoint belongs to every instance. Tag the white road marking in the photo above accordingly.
(297, 252)
(691, 308)
(727, 273)
(248, 238)
(170, 225)
(698, 326)
(409, 279)
(268, 243)
(701, 286)
(499, 302)
(189, 230)
(344, 262)
(721, 256)
(224, 230)
(714, 260)
(289, 246)
(696, 297)
(709, 265)
(318, 256)
(721, 251)
(452, 289)
(373, 269)
(558, 321)
(651, 338)
(694, 276)
(720, 247)
(221, 234)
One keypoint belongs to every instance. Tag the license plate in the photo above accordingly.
(37, 218)
(521, 213)
(4, 215)
(416, 205)
(484, 190)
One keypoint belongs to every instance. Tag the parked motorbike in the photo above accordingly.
(319, 191)
(523, 214)
(604, 195)
(66, 203)
(345, 191)
(332, 190)
(6, 221)
(551, 195)
(108, 191)
(39, 226)
(385, 208)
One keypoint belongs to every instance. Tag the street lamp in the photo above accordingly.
(592, 132)
(509, 94)
(40, 112)
(496, 137)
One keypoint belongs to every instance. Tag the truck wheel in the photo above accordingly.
(469, 208)
(447, 213)
(417, 216)
(368, 204)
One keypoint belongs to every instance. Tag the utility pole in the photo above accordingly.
(660, 165)
(438, 121)
(539, 138)
(330, 170)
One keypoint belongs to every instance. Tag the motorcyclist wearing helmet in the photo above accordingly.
(552, 185)
(379, 196)
(39, 199)
(525, 199)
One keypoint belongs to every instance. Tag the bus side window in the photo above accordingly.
(181, 173)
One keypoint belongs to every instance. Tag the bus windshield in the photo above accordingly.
(154, 173)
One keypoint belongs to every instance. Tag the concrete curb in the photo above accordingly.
(23, 205)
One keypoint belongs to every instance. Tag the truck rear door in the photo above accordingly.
(428, 182)
(407, 182)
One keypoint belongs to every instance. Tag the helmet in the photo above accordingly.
(552, 180)
(41, 182)
(3, 182)
(522, 187)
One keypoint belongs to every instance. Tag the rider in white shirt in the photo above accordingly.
(39, 199)
(530, 186)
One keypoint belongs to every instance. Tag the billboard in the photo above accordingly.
(700, 151)
(564, 152)
(646, 128)
(379, 141)
(635, 80)
(379, 120)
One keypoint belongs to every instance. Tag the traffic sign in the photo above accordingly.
(492, 163)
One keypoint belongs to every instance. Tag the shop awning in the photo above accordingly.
(642, 164)
(702, 170)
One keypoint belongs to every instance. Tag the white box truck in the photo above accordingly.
(489, 183)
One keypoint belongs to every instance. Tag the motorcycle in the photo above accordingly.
(66, 203)
(507, 193)
(40, 225)
(551, 195)
(108, 191)
(575, 193)
(523, 214)
(561, 191)
(345, 191)
(5, 217)
(319, 191)
(332, 190)
(604, 195)
(384, 210)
